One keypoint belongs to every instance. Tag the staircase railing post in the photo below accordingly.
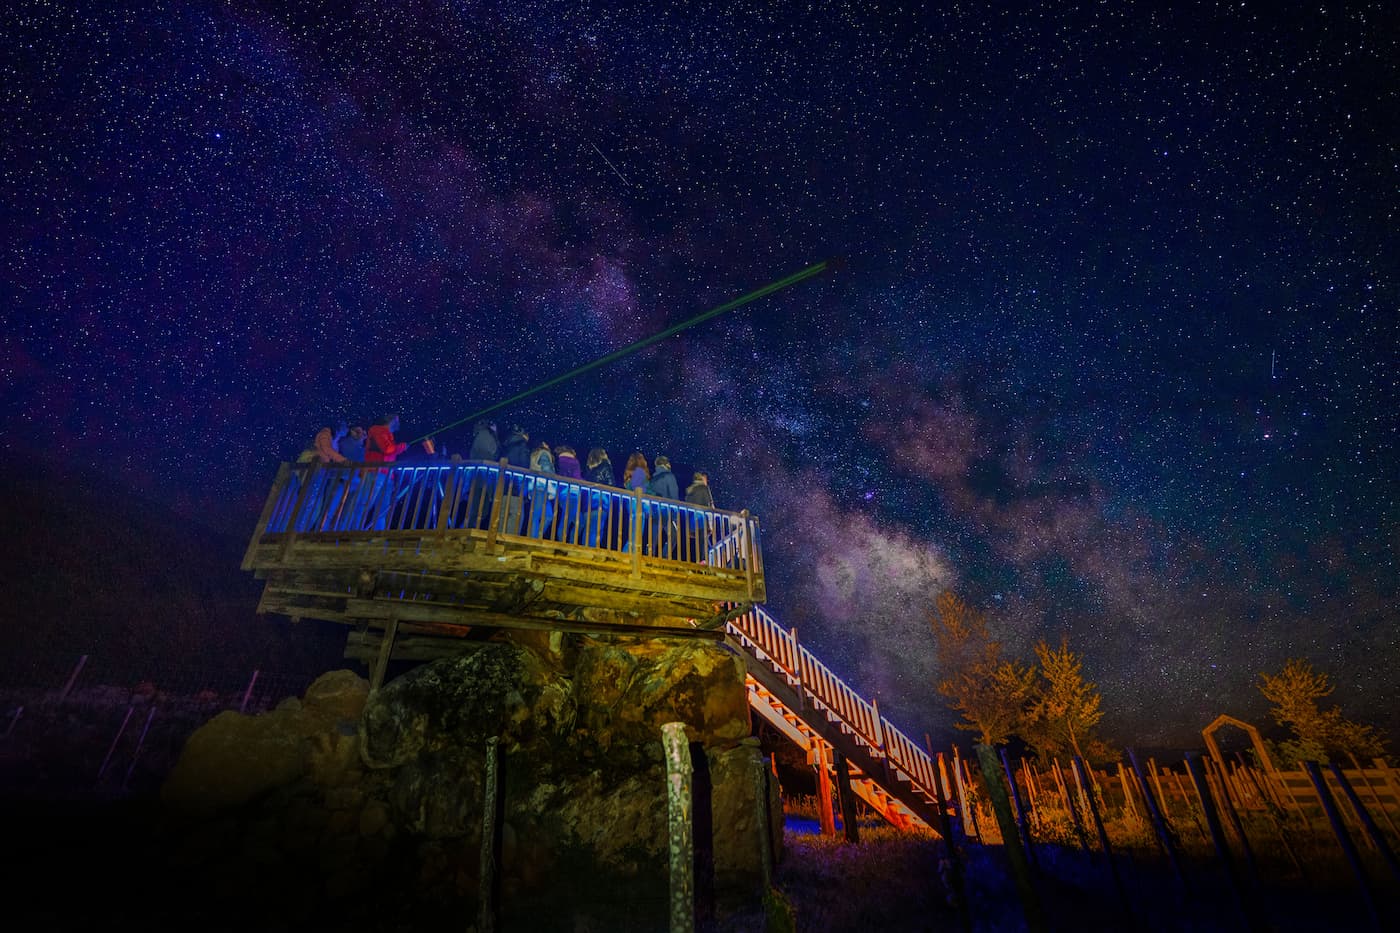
(495, 522)
(748, 552)
(797, 670)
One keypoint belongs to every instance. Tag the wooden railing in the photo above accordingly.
(830, 695)
(340, 501)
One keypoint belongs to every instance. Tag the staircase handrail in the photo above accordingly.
(818, 683)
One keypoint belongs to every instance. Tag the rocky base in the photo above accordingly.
(365, 812)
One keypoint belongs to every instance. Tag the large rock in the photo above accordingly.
(348, 775)
(233, 757)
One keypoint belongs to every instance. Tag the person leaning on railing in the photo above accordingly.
(600, 471)
(567, 466)
(663, 486)
(698, 494)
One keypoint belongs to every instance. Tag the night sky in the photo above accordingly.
(1113, 353)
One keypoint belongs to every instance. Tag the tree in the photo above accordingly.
(991, 692)
(1065, 708)
(1318, 734)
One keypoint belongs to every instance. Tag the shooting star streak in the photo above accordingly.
(610, 165)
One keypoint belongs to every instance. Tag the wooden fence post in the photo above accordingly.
(1023, 830)
(678, 816)
(72, 678)
(1157, 780)
(969, 814)
(14, 718)
(1372, 830)
(1334, 816)
(1158, 823)
(111, 749)
(248, 693)
(491, 836)
(1217, 832)
(1379, 764)
(140, 743)
(1227, 804)
(1078, 764)
(1010, 836)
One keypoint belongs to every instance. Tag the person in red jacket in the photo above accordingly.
(380, 446)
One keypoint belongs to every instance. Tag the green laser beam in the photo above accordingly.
(614, 356)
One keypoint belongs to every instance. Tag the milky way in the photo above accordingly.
(1113, 351)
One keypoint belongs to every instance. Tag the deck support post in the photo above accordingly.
(764, 817)
(491, 837)
(386, 648)
(678, 821)
(849, 824)
(825, 811)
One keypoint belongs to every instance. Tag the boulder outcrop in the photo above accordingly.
(344, 778)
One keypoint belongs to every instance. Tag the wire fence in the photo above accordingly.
(76, 726)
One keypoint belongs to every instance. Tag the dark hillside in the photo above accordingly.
(95, 569)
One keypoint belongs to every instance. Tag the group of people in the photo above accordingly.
(538, 507)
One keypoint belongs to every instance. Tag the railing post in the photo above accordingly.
(1159, 824)
(448, 506)
(748, 553)
(797, 663)
(308, 480)
(284, 470)
(496, 503)
(635, 541)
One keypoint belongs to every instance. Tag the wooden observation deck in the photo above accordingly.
(448, 547)
(412, 554)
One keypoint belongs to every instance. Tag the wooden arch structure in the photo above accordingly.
(1255, 739)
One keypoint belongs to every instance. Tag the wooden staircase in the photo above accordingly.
(817, 711)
